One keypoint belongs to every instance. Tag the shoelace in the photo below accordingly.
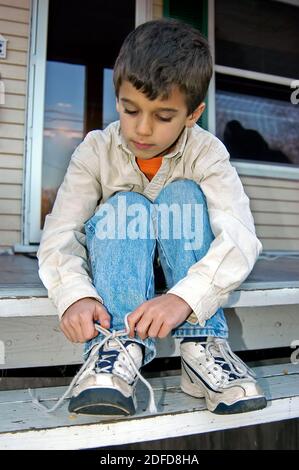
(235, 364)
(151, 408)
(107, 359)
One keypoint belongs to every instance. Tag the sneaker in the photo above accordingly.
(106, 382)
(212, 371)
(107, 385)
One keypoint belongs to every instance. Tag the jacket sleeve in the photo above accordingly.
(63, 265)
(235, 248)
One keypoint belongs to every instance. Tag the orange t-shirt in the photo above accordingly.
(149, 167)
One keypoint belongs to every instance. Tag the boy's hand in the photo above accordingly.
(78, 320)
(157, 317)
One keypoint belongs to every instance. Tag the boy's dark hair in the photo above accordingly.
(162, 53)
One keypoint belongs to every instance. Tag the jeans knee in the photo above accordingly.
(182, 189)
(131, 197)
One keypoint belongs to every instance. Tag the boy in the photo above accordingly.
(97, 256)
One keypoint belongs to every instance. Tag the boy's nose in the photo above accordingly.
(144, 127)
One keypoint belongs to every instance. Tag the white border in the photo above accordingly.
(35, 121)
(212, 89)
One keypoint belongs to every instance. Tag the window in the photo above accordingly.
(257, 56)
(258, 35)
(83, 43)
(63, 125)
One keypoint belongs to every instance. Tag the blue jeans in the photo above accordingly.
(122, 266)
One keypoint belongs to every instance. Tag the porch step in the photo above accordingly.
(23, 426)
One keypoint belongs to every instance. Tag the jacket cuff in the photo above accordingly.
(202, 296)
(65, 296)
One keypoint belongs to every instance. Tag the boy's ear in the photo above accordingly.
(117, 104)
(193, 117)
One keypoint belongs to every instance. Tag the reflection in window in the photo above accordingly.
(109, 109)
(258, 128)
(258, 35)
(63, 127)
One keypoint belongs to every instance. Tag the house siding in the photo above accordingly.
(14, 26)
(275, 208)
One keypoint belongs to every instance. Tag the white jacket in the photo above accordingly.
(102, 165)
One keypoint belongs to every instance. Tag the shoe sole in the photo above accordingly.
(241, 406)
(102, 401)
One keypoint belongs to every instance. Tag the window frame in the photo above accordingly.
(248, 168)
(32, 187)
(31, 232)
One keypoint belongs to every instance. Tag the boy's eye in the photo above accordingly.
(160, 118)
(129, 112)
(164, 119)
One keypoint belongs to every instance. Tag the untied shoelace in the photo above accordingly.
(92, 357)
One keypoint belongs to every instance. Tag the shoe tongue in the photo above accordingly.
(110, 345)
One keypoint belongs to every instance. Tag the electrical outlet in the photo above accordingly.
(3, 43)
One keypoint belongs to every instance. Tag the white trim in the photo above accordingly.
(262, 77)
(41, 305)
(19, 248)
(26, 427)
(35, 120)
(212, 87)
(267, 170)
(143, 11)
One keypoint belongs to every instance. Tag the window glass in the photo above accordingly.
(257, 121)
(109, 109)
(83, 43)
(258, 35)
(64, 122)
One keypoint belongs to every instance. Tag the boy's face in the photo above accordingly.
(150, 127)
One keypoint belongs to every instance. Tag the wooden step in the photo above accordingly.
(23, 426)
(262, 313)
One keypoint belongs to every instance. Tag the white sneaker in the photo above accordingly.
(211, 370)
(106, 382)
(107, 385)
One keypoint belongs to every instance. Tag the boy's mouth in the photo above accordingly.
(142, 146)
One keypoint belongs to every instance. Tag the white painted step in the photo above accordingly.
(23, 426)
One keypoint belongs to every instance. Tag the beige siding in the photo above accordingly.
(275, 207)
(14, 26)
(157, 9)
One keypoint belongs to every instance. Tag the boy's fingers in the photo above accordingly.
(103, 316)
(89, 331)
(70, 332)
(133, 319)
